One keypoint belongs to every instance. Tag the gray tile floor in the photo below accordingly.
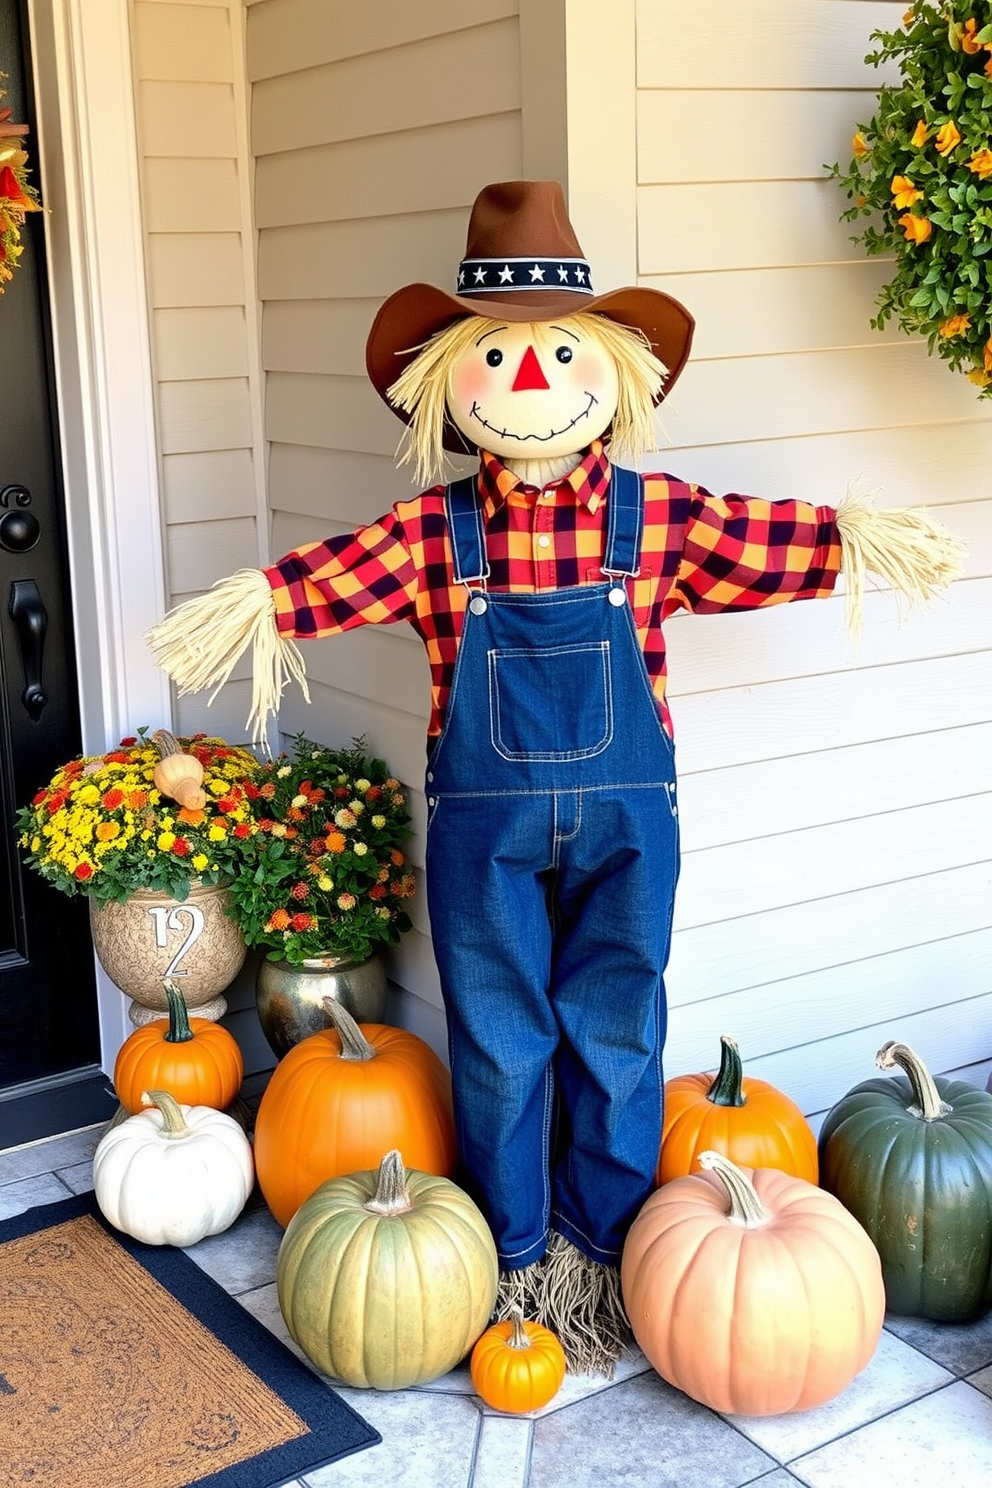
(919, 1416)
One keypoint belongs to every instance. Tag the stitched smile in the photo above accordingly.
(540, 438)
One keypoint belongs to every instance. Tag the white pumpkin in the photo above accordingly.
(173, 1174)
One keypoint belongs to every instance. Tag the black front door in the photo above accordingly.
(49, 1033)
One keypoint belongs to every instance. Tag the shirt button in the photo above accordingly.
(544, 541)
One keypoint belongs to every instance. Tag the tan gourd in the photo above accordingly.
(178, 775)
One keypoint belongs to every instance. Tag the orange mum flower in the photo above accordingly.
(920, 135)
(278, 920)
(981, 163)
(954, 325)
(966, 36)
(335, 842)
(859, 147)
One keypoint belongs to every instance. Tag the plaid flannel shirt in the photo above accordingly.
(699, 552)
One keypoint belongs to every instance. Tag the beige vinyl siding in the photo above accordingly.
(836, 801)
(373, 128)
(195, 175)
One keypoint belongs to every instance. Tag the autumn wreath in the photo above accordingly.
(922, 171)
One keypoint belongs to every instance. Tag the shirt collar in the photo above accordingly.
(589, 481)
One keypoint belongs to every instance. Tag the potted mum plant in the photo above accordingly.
(922, 172)
(152, 833)
(325, 887)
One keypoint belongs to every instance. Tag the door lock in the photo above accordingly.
(19, 529)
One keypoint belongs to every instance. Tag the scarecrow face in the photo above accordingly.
(534, 391)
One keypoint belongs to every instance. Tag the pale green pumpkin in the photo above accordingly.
(386, 1279)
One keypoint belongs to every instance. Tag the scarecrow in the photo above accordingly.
(539, 586)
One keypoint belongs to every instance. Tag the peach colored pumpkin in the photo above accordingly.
(754, 1292)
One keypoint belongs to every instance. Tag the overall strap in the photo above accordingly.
(468, 542)
(625, 522)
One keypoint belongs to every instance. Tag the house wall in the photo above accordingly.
(835, 800)
(195, 178)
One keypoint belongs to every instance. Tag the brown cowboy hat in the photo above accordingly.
(522, 263)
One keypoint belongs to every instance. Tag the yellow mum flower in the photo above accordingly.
(199, 861)
(217, 833)
(904, 192)
(89, 795)
(165, 841)
(948, 137)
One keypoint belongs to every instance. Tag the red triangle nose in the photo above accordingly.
(529, 374)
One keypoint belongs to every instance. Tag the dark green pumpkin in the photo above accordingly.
(911, 1158)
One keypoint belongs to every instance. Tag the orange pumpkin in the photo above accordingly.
(747, 1120)
(341, 1098)
(517, 1365)
(754, 1292)
(196, 1060)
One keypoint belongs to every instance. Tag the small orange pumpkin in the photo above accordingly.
(746, 1119)
(196, 1060)
(517, 1365)
(754, 1292)
(340, 1098)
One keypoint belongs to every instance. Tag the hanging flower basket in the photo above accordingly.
(922, 173)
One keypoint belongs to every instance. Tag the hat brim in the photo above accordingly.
(411, 316)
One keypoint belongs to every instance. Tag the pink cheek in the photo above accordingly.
(587, 372)
(471, 382)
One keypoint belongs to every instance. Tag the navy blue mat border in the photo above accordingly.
(336, 1430)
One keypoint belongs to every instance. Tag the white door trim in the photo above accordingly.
(88, 173)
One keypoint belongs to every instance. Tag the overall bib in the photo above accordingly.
(552, 857)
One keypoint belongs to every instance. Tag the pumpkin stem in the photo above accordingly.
(518, 1338)
(166, 743)
(391, 1195)
(173, 1121)
(745, 1207)
(927, 1104)
(727, 1089)
(354, 1044)
(179, 1031)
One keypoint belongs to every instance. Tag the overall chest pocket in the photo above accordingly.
(551, 702)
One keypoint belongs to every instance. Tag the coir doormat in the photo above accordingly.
(124, 1365)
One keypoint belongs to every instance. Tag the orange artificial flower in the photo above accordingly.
(920, 135)
(917, 229)
(278, 920)
(981, 163)
(948, 137)
(966, 36)
(335, 842)
(904, 192)
(954, 325)
(859, 147)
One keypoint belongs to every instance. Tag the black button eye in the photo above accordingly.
(564, 353)
(494, 356)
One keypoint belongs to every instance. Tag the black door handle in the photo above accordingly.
(31, 622)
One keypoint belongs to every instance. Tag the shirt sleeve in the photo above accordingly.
(366, 577)
(742, 552)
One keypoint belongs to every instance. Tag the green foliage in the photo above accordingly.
(922, 173)
(327, 877)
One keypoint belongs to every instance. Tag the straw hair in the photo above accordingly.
(422, 388)
(911, 551)
(199, 643)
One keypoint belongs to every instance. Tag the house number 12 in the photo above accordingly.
(168, 919)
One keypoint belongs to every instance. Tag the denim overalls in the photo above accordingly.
(552, 856)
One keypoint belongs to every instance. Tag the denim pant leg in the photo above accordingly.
(614, 894)
(487, 862)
